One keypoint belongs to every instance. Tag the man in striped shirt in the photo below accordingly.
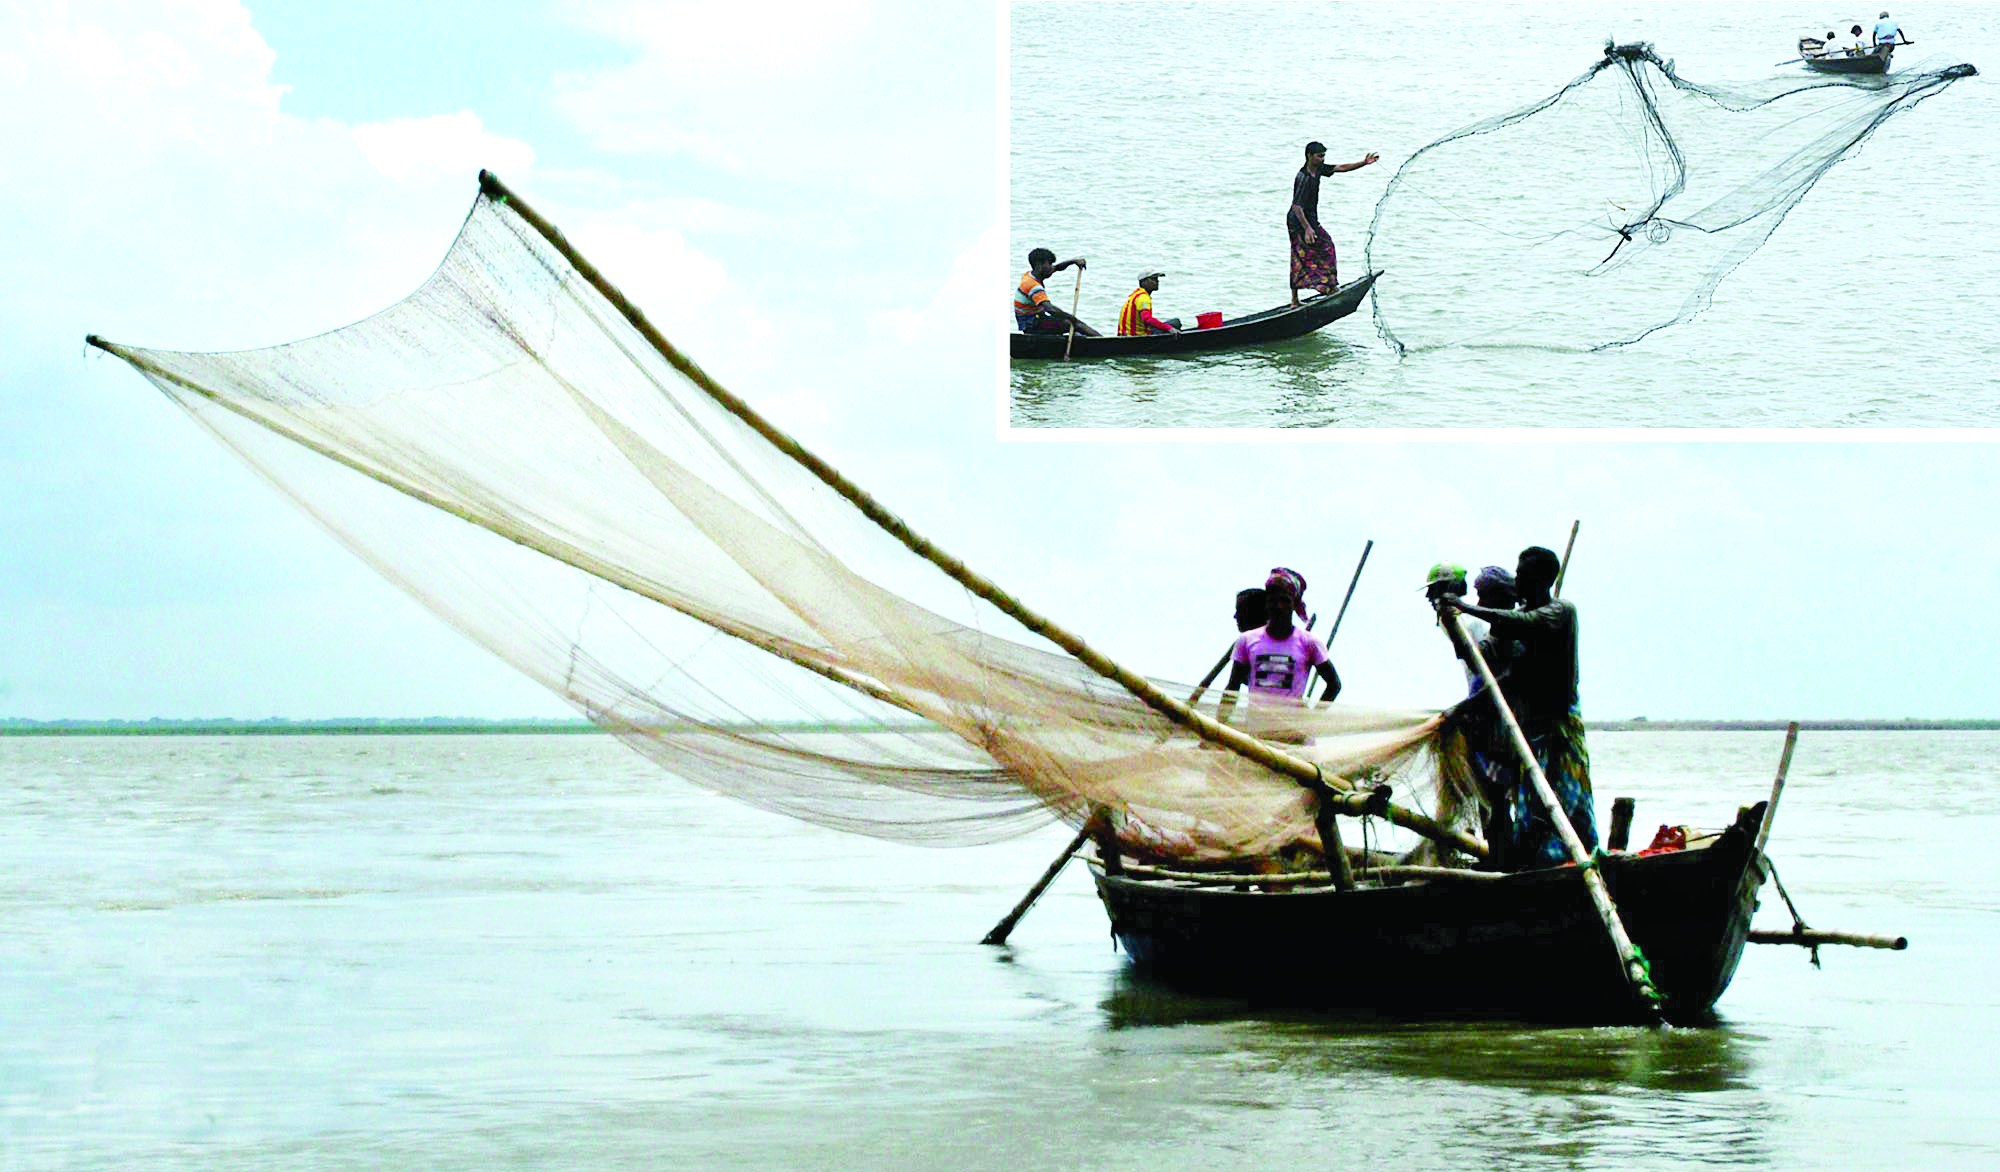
(1034, 312)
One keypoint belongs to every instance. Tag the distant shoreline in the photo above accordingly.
(457, 726)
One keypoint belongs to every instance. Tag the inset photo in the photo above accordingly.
(1450, 216)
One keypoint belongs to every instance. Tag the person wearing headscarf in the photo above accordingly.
(1277, 661)
(1541, 688)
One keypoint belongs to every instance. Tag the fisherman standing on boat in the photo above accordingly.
(1136, 318)
(1314, 265)
(1542, 689)
(1888, 32)
(1277, 660)
(1034, 312)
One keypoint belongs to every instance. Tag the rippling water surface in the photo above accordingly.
(502, 951)
(1166, 136)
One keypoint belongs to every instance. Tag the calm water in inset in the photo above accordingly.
(1166, 136)
(536, 951)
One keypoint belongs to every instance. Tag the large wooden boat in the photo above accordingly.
(1272, 325)
(1816, 56)
(1527, 944)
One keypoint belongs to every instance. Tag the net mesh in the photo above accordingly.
(507, 448)
(1614, 207)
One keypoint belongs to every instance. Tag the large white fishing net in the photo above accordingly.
(508, 448)
(1615, 206)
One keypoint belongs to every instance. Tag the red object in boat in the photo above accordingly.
(1670, 838)
(1207, 321)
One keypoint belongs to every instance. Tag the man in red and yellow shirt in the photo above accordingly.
(1137, 316)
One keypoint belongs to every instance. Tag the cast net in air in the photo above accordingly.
(510, 449)
(1614, 207)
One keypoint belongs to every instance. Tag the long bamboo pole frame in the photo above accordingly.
(1631, 961)
(1298, 769)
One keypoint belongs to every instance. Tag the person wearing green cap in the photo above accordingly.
(1541, 687)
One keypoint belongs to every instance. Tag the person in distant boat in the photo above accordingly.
(1278, 660)
(1137, 316)
(1859, 42)
(1888, 32)
(1831, 46)
(1314, 265)
(1541, 688)
(1034, 312)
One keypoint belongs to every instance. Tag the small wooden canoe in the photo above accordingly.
(1872, 60)
(1527, 944)
(1272, 325)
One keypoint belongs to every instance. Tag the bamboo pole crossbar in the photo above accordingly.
(1296, 768)
(1305, 878)
(1630, 959)
(1812, 939)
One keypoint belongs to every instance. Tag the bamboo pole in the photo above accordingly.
(1304, 878)
(1351, 584)
(1630, 959)
(1555, 591)
(1006, 925)
(1777, 787)
(1812, 939)
(1296, 768)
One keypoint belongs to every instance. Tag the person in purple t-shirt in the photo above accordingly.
(1278, 660)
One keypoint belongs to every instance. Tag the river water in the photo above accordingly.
(1166, 136)
(537, 951)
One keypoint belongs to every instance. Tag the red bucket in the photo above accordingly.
(1207, 321)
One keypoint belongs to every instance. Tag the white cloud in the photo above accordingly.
(454, 145)
(845, 96)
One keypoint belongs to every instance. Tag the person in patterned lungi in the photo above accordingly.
(1541, 686)
(1314, 265)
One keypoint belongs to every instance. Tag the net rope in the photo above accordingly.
(1615, 206)
(508, 449)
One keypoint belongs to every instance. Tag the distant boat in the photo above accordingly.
(1816, 55)
(1272, 325)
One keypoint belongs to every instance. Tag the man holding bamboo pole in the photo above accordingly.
(1543, 694)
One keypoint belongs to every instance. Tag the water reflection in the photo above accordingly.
(1477, 1052)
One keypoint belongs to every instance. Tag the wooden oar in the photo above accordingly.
(1630, 959)
(1074, 298)
(1006, 925)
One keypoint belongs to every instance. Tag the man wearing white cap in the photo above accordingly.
(1137, 316)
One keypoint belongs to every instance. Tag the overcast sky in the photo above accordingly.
(807, 205)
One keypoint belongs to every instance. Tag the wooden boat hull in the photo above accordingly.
(1528, 945)
(1272, 325)
(1873, 61)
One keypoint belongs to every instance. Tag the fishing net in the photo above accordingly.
(1614, 207)
(509, 449)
